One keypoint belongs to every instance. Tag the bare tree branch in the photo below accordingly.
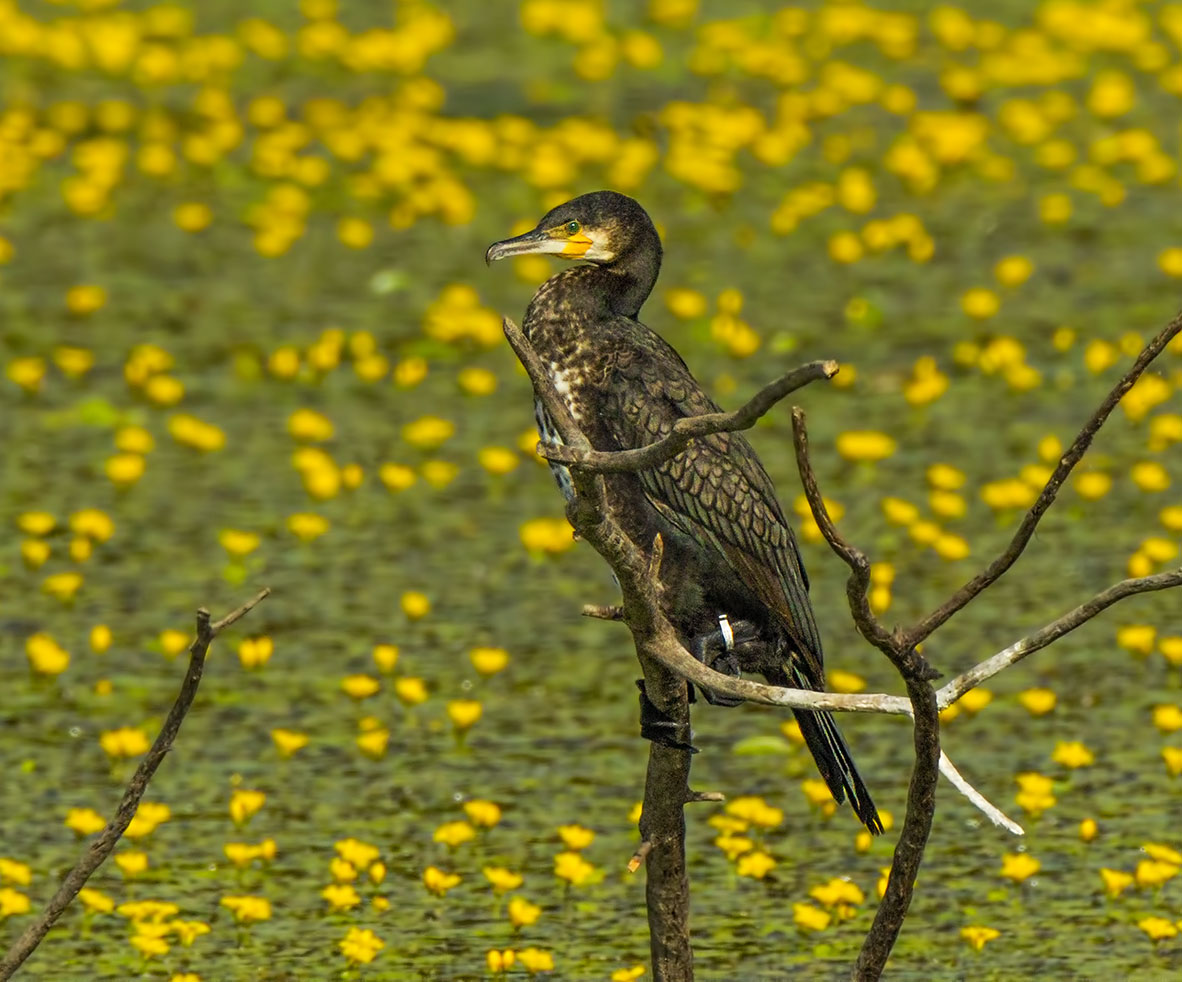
(990, 811)
(686, 430)
(952, 691)
(1075, 452)
(102, 846)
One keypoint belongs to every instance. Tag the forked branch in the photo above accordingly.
(102, 846)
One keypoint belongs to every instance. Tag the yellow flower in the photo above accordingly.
(247, 909)
(126, 741)
(85, 821)
(1013, 270)
(498, 460)
(85, 299)
(841, 681)
(428, 432)
(288, 742)
(1163, 853)
(356, 853)
(865, 445)
(132, 863)
(1150, 476)
(477, 381)
(373, 743)
(415, 605)
(307, 526)
(1072, 754)
(93, 524)
(535, 960)
(439, 473)
(1054, 209)
(1115, 881)
(484, 813)
(396, 477)
(1137, 638)
(1173, 760)
(1088, 830)
(980, 303)
(1158, 928)
(385, 656)
(975, 700)
(361, 946)
(12, 871)
(356, 233)
(522, 913)
(755, 864)
(192, 432)
(1019, 866)
(255, 652)
(573, 868)
(360, 686)
(187, 932)
(46, 656)
(310, 426)
(192, 216)
(1038, 702)
(464, 713)
(1155, 872)
(36, 523)
(810, 918)
(453, 834)
(500, 961)
(977, 935)
(734, 845)
(410, 690)
(125, 469)
(95, 901)
(244, 804)
(439, 882)
(503, 880)
(150, 946)
(546, 536)
(26, 372)
(489, 661)
(341, 896)
(627, 974)
(410, 372)
(1092, 485)
(685, 303)
(576, 837)
(899, 512)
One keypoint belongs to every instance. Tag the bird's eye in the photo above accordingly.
(572, 228)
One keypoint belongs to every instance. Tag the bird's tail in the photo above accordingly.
(833, 758)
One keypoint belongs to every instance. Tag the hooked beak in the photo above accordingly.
(538, 242)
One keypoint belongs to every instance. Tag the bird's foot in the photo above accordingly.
(660, 727)
(723, 650)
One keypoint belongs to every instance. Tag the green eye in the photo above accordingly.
(572, 228)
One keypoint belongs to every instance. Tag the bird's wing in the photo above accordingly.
(717, 491)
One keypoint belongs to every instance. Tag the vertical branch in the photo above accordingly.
(662, 832)
(102, 847)
(913, 839)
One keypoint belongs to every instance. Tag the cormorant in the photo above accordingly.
(734, 584)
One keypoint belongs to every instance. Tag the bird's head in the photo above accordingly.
(600, 227)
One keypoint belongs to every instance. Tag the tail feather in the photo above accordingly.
(834, 760)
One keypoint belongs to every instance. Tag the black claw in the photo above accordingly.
(659, 727)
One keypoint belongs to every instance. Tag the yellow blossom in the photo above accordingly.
(1154, 872)
(481, 812)
(385, 656)
(244, 804)
(576, 837)
(255, 652)
(360, 686)
(1072, 754)
(522, 913)
(464, 713)
(361, 946)
(573, 868)
(1038, 702)
(503, 880)
(453, 834)
(865, 445)
(755, 864)
(810, 918)
(980, 303)
(410, 690)
(489, 661)
(536, 961)
(978, 935)
(46, 656)
(288, 742)
(547, 536)
(131, 863)
(439, 882)
(247, 908)
(126, 741)
(341, 896)
(415, 605)
(1158, 928)
(1088, 830)
(1019, 866)
(85, 821)
(95, 901)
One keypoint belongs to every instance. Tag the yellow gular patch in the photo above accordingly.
(576, 246)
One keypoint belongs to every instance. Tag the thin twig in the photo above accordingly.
(989, 810)
(953, 690)
(637, 859)
(1075, 452)
(101, 847)
(685, 430)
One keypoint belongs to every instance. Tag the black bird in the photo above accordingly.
(734, 583)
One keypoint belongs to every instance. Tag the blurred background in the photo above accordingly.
(248, 339)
